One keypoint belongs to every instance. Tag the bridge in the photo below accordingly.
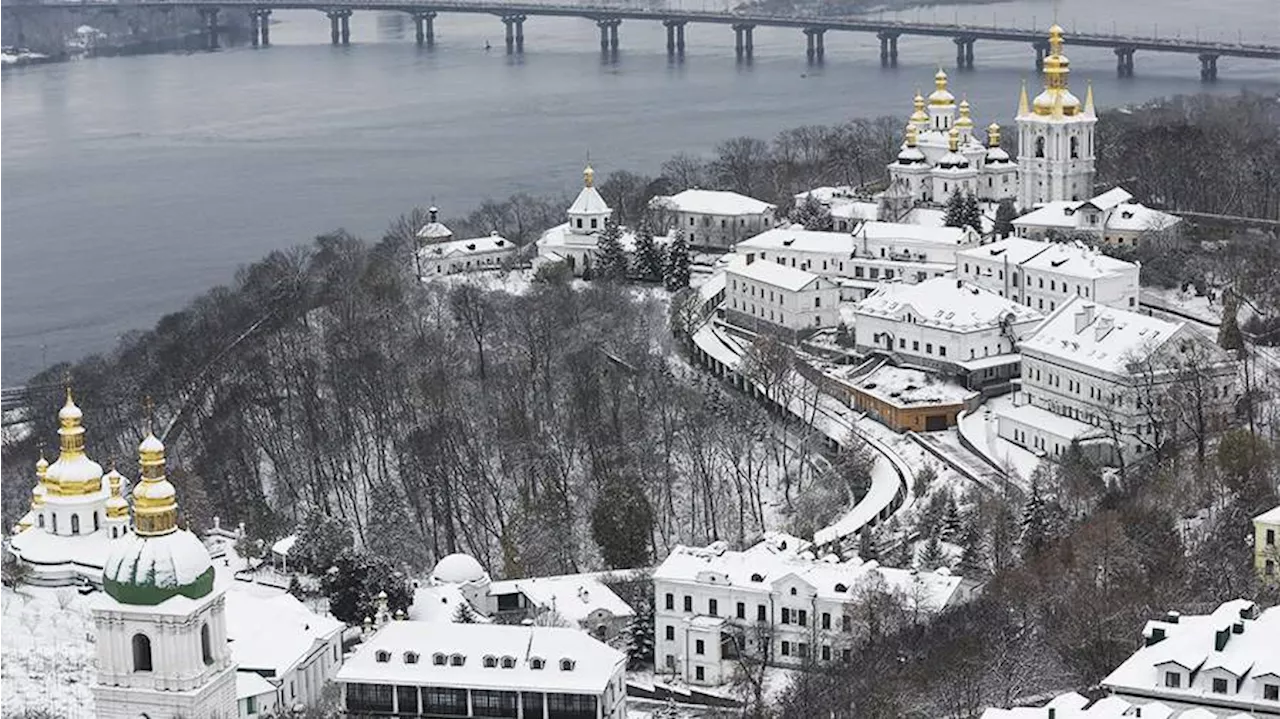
(610, 17)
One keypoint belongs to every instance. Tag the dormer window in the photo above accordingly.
(410, 657)
(438, 659)
(793, 591)
(383, 656)
(457, 660)
(490, 662)
(757, 577)
(508, 662)
(842, 588)
(566, 665)
(537, 663)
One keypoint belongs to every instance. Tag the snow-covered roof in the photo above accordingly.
(1234, 638)
(591, 663)
(41, 547)
(1059, 425)
(855, 210)
(561, 236)
(1120, 214)
(798, 239)
(249, 684)
(273, 633)
(573, 596)
(1072, 259)
(828, 578)
(944, 303)
(713, 202)
(469, 246)
(458, 568)
(914, 233)
(828, 195)
(1110, 198)
(284, 546)
(1073, 706)
(435, 231)
(775, 274)
(1271, 516)
(589, 202)
(1099, 336)
(907, 387)
(439, 603)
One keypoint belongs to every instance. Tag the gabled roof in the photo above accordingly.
(1271, 516)
(589, 202)
(898, 232)
(1110, 340)
(469, 246)
(713, 202)
(1109, 199)
(798, 239)
(945, 303)
(775, 274)
(273, 633)
(573, 596)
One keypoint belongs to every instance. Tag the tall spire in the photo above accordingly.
(1088, 100)
(918, 116)
(1024, 107)
(155, 505)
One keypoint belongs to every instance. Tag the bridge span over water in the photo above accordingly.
(610, 17)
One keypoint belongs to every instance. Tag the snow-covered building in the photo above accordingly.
(903, 398)
(774, 600)
(1077, 706)
(941, 155)
(1099, 375)
(278, 640)
(1055, 136)
(468, 255)
(1223, 663)
(583, 600)
(946, 325)
(435, 230)
(576, 241)
(75, 512)
(772, 297)
(161, 629)
(484, 670)
(1044, 275)
(714, 218)
(1266, 545)
(1111, 218)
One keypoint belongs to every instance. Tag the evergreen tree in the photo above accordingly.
(622, 522)
(613, 262)
(932, 555)
(295, 587)
(1229, 337)
(973, 558)
(971, 213)
(639, 649)
(868, 548)
(321, 539)
(1035, 524)
(588, 272)
(1005, 215)
(391, 532)
(904, 554)
(676, 272)
(354, 580)
(813, 215)
(951, 520)
(954, 216)
(649, 259)
(464, 614)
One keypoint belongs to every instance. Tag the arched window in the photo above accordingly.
(383, 656)
(410, 657)
(508, 662)
(841, 588)
(141, 653)
(95, 521)
(537, 663)
(490, 662)
(1040, 146)
(757, 577)
(457, 660)
(75, 524)
(566, 665)
(113, 532)
(438, 659)
(206, 646)
(40, 519)
(1075, 147)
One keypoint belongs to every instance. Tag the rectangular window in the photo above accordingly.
(804, 618)
(699, 647)
(942, 351)
(742, 610)
(915, 345)
(826, 620)
(846, 623)
(251, 705)
(928, 348)
(786, 615)
(1271, 537)
(700, 674)
(671, 633)
(826, 652)
(804, 650)
(407, 699)
(1219, 686)
(688, 603)
(671, 601)
(446, 701)
(713, 607)
(786, 649)
(1271, 692)
(762, 613)
(902, 344)
(817, 301)
(375, 698)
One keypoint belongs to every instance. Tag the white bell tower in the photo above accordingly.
(1055, 137)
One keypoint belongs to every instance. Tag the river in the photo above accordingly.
(132, 184)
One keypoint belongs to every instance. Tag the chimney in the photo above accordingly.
(1220, 639)
(1102, 328)
(1157, 636)
(1172, 617)
(751, 257)
(432, 213)
(1237, 628)
(1052, 713)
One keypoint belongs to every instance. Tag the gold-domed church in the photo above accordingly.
(76, 511)
(1055, 136)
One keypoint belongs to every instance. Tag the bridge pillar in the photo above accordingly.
(425, 28)
(964, 52)
(346, 27)
(264, 26)
(888, 49)
(210, 17)
(508, 24)
(1042, 51)
(680, 39)
(814, 49)
(1208, 67)
(335, 33)
(253, 27)
(1124, 61)
(609, 35)
(670, 25)
(520, 33)
(743, 44)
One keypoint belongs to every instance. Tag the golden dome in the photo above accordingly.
(73, 473)
(918, 115)
(964, 121)
(588, 176)
(117, 507)
(993, 135)
(911, 135)
(940, 95)
(1056, 100)
(155, 505)
(953, 140)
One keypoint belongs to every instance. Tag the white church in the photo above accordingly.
(942, 154)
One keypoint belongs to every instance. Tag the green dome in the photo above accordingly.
(150, 569)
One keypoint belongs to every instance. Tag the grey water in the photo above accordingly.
(132, 184)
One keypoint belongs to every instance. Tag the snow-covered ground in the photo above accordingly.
(47, 654)
(14, 57)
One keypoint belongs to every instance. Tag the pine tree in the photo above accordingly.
(1005, 215)
(951, 520)
(1229, 337)
(813, 215)
(613, 263)
(973, 558)
(640, 637)
(1035, 530)
(932, 555)
(971, 213)
(622, 522)
(954, 216)
(676, 272)
(905, 553)
(649, 259)
(464, 614)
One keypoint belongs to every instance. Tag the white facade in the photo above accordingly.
(1110, 218)
(166, 661)
(477, 253)
(1223, 663)
(475, 670)
(581, 599)
(576, 241)
(295, 650)
(1097, 374)
(1045, 275)
(760, 293)
(714, 218)
(945, 324)
(1055, 137)
(773, 600)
